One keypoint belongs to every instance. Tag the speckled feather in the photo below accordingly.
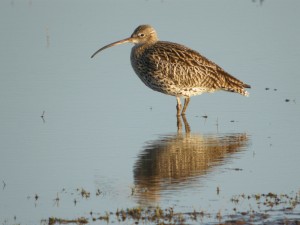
(176, 70)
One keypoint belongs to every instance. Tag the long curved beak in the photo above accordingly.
(113, 44)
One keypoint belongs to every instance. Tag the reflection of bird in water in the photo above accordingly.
(174, 69)
(175, 161)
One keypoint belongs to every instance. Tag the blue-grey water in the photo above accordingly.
(103, 131)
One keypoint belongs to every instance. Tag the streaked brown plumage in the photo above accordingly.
(174, 69)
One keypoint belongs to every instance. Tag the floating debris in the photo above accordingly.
(236, 169)
(289, 100)
(47, 37)
(274, 89)
(56, 200)
(84, 193)
(98, 192)
(42, 116)
(53, 220)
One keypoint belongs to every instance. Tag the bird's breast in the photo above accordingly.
(142, 62)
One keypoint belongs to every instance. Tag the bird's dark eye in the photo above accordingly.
(142, 35)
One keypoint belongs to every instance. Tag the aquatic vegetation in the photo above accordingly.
(265, 205)
(53, 220)
(84, 193)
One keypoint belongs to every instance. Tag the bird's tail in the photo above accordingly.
(242, 91)
(234, 85)
(238, 89)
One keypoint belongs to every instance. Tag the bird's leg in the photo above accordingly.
(178, 106)
(186, 125)
(179, 125)
(186, 103)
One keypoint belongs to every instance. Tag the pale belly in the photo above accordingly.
(167, 87)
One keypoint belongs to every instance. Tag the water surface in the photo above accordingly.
(104, 133)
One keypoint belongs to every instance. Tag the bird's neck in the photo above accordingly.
(138, 49)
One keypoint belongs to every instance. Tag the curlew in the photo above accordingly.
(175, 69)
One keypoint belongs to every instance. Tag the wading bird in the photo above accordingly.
(174, 69)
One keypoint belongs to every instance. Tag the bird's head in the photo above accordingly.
(143, 34)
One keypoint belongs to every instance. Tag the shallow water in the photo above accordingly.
(104, 133)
